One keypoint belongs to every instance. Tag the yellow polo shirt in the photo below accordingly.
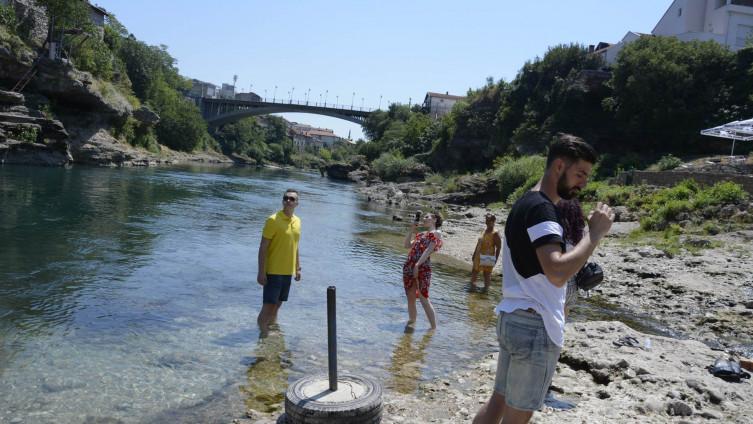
(283, 234)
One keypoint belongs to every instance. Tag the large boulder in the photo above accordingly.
(472, 189)
(70, 87)
(95, 146)
(32, 153)
(11, 98)
(146, 116)
(339, 170)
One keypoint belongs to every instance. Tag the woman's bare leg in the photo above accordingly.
(410, 293)
(429, 309)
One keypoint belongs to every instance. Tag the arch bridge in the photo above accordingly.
(222, 111)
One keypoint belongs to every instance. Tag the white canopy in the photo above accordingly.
(736, 130)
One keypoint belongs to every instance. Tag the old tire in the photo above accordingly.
(302, 407)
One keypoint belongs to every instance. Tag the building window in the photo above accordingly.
(720, 3)
(748, 3)
(679, 12)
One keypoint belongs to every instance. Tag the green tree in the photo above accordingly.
(667, 90)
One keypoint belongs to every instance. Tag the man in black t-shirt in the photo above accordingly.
(536, 267)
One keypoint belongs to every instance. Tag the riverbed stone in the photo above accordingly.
(679, 409)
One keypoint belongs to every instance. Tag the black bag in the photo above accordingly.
(589, 276)
(728, 370)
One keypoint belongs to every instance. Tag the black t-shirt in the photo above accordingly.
(532, 222)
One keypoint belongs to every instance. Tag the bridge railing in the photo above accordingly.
(327, 105)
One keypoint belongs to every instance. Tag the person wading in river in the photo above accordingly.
(278, 259)
(417, 269)
(536, 268)
(487, 251)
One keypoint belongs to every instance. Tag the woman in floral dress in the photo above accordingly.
(417, 269)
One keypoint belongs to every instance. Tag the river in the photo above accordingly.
(129, 295)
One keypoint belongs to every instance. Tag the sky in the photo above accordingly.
(370, 53)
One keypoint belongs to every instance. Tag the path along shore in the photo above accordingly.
(704, 301)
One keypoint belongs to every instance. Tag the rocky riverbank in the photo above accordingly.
(29, 137)
(703, 301)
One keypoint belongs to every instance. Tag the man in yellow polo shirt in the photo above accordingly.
(278, 259)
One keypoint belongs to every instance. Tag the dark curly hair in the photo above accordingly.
(571, 217)
(437, 214)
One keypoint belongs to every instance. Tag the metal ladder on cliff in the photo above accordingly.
(28, 76)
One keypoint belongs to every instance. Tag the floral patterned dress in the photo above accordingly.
(424, 271)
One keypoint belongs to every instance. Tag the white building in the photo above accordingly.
(227, 92)
(609, 53)
(202, 89)
(728, 22)
(438, 105)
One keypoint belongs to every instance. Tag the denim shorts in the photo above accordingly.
(527, 360)
(277, 288)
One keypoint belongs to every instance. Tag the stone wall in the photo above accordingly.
(32, 21)
(669, 178)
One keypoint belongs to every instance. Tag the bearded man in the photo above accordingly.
(536, 268)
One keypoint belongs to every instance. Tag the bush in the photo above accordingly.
(667, 204)
(391, 166)
(513, 173)
(8, 17)
(613, 195)
(521, 190)
(721, 193)
(668, 162)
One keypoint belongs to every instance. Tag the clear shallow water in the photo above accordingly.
(130, 295)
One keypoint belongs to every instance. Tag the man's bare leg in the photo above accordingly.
(487, 280)
(474, 277)
(492, 411)
(267, 315)
(274, 313)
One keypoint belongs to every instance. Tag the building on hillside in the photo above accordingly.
(227, 92)
(609, 52)
(97, 15)
(248, 97)
(728, 22)
(438, 105)
(305, 135)
(296, 127)
(324, 135)
(301, 141)
(201, 89)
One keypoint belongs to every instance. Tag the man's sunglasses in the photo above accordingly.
(289, 199)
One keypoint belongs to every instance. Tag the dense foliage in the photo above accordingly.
(143, 74)
(249, 138)
(654, 101)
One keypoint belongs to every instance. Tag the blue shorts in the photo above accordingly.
(277, 288)
(527, 360)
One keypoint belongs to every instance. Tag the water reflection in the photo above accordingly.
(267, 375)
(408, 361)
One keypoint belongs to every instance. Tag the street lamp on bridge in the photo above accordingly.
(265, 94)
(351, 100)
(292, 91)
(337, 100)
(380, 102)
(274, 95)
(326, 92)
(361, 103)
(308, 93)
